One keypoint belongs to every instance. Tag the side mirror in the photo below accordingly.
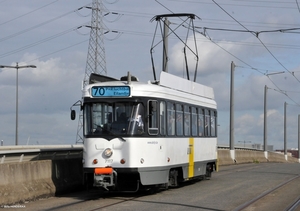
(73, 114)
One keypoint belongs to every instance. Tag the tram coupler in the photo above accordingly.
(105, 177)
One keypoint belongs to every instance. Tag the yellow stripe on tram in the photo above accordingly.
(191, 157)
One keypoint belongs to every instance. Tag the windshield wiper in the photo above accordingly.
(111, 133)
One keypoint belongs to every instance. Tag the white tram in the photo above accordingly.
(144, 135)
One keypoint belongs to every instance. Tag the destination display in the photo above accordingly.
(110, 91)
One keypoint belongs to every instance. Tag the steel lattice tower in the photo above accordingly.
(96, 62)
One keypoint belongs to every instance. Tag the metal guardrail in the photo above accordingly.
(12, 154)
(239, 148)
(22, 153)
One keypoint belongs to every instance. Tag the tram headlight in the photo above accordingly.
(108, 152)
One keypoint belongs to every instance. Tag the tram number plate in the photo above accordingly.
(109, 161)
(110, 91)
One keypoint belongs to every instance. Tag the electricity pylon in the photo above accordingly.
(96, 62)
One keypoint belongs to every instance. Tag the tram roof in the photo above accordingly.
(167, 81)
(184, 85)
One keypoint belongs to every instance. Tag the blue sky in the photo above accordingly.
(45, 34)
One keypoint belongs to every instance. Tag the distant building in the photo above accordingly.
(261, 147)
(291, 152)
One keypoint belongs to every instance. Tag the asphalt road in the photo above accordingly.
(228, 189)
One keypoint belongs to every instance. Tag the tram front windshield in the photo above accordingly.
(107, 119)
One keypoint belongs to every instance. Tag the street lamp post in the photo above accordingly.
(17, 67)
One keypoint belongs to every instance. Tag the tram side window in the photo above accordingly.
(207, 123)
(187, 121)
(213, 123)
(171, 119)
(179, 120)
(201, 122)
(194, 121)
(162, 118)
(153, 117)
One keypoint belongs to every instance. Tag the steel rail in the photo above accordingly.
(294, 205)
(247, 204)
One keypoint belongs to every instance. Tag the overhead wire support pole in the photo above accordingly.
(284, 131)
(299, 138)
(231, 127)
(266, 116)
(265, 123)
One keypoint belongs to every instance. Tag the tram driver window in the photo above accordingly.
(136, 123)
(162, 118)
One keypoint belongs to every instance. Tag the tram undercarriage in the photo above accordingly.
(116, 181)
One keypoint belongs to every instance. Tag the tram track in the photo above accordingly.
(294, 205)
(272, 186)
(284, 196)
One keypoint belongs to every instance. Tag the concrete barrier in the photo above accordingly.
(279, 157)
(249, 156)
(31, 180)
(224, 157)
(27, 181)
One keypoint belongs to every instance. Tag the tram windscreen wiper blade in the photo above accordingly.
(111, 133)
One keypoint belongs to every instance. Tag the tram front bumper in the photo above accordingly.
(105, 177)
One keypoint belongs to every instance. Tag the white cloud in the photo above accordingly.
(45, 96)
(47, 92)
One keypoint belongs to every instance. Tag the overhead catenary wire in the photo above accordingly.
(29, 29)
(148, 34)
(298, 5)
(218, 44)
(137, 33)
(258, 39)
(211, 20)
(256, 33)
(284, 93)
(280, 90)
(268, 4)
